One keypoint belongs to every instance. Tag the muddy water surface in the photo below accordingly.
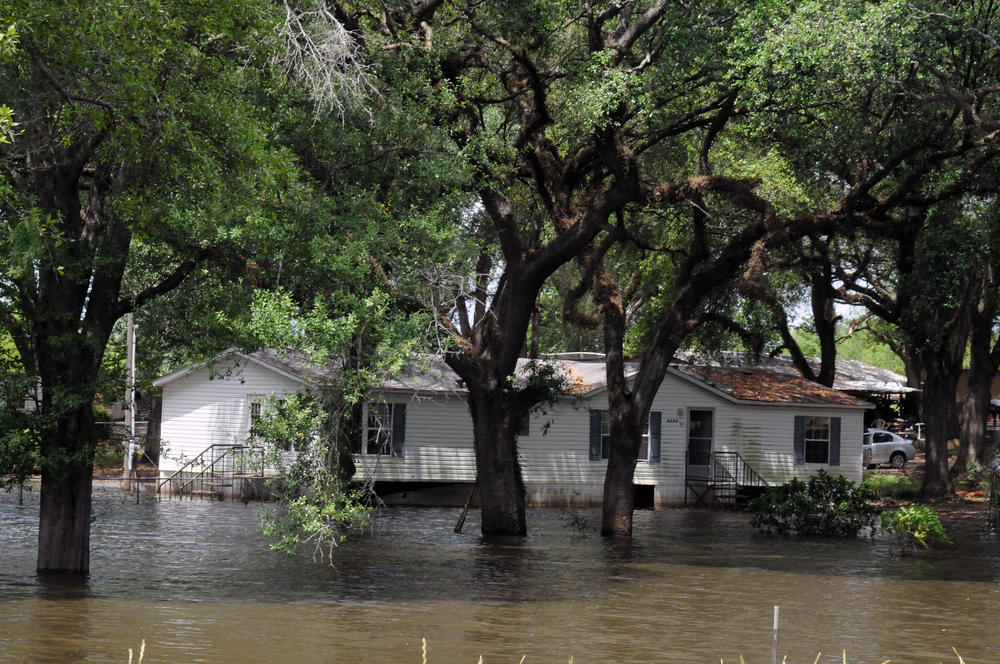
(196, 581)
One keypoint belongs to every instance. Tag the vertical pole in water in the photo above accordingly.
(774, 642)
(129, 400)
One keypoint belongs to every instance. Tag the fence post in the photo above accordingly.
(774, 642)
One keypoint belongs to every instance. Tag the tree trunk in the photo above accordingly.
(825, 320)
(975, 408)
(624, 413)
(65, 505)
(983, 365)
(940, 418)
(498, 471)
(619, 491)
(64, 522)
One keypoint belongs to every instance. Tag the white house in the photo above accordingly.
(713, 431)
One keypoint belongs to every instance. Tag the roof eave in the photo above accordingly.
(190, 369)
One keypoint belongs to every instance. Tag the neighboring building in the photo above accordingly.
(713, 431)
(26, 396)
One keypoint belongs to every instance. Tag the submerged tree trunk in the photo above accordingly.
(984, 361)
(619, 489)
(497, 404)
(625, 418)
(67, 472)
(64, 521)
(498, 471)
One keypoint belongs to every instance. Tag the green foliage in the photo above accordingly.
(828, 505)
(917, 522)
(8, 42)
(861, 346)
(19, 446)
(298, 438)
(20, 427)
(542, 382)
(883, 486)
(351, 346)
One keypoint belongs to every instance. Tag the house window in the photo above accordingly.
(817, 439)
(606, 438)
(256, 410)
(600, 436)
(384, 429)
(378, 435)
(260, 407)
(524, 426)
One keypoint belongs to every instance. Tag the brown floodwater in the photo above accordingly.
(198, 583)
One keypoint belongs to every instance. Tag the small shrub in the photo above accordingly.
(827, 505)
(976, 479)
(919, 522)
(891, 486)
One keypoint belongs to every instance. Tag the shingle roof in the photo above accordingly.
(851, 375)
(432, 374)
(773, 384)
(765, 386)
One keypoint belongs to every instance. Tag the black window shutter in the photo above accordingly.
(398, 428)
(654, 436)
(595, 435)
(800, 440)
(834, 441)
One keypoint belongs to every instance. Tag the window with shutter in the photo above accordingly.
(817, 439)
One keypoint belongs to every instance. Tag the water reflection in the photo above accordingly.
(199, 584)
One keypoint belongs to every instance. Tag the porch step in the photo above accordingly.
(728, 480)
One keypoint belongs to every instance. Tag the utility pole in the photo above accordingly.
(129, 400)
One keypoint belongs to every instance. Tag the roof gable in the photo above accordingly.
(268, 358)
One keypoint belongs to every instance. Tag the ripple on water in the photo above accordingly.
(200, 585)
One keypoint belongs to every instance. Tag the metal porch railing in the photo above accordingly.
(219, 471)
(730, 481)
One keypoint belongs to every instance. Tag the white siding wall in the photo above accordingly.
(762, 434)
(198, 412)
(555, 454)
(438, 443)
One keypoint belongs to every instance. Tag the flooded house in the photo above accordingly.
(715, 434)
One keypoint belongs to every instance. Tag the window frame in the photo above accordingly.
(816, 448)
(391, 430)
(382, 414)
(259, 405)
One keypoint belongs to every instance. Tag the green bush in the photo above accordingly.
(825, 505)
(918, 522)
(891, 486)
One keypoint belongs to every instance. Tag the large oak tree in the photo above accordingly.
(883, 133)
(555, 107)
(139, 159)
